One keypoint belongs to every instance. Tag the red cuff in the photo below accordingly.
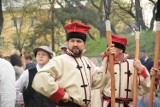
(57, 96)
(144, 73)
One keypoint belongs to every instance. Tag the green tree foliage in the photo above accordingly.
(147, 42)
(91, 12)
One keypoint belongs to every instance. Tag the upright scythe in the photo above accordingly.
(111, 57)
(135, 72)
(157, 43)
(136, 54)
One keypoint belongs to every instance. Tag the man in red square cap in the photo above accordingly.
(69, 78)
(77, 30)
(124, 73)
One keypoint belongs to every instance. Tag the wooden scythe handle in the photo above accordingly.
(111, 63)
(157, 41)
(135, 71)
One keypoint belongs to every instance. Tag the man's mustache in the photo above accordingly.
(75, 47)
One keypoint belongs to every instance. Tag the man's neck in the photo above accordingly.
(120, 57)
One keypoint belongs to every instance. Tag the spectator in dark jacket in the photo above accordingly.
(145, 60)
(28, 61)
(16, 62)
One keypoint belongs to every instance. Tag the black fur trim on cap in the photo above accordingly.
(76, 35)
(120, 46)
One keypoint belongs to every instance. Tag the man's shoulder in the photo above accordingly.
(4, 62)
(63, 56)
(130, 60)
(141, 59)
(150, 59)
(30, 65)
(6, 66)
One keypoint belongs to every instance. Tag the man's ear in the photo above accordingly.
(67, 44)
(121, 51)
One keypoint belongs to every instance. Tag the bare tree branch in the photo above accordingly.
(127, 11)
(152, 1)
(94, 5)
(1, 17)
(59, 3)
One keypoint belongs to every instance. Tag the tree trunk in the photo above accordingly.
(153, 18)
(1, 17)
(52, 20)
(139, 17)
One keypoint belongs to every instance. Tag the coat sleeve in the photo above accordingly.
(45, 80)
(21, 84)
(99, 77)
(157, 83)
(7, 82)
(143, 82)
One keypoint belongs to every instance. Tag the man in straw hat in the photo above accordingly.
(23, 85)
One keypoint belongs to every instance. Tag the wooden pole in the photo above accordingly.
(156, 53)
(135, 71)
(157, 43)
(111, 63)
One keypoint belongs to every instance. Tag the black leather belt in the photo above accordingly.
(68, 104)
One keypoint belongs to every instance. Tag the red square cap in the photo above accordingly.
(120, 39)
(77, 27)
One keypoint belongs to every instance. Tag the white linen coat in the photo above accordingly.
(158, 84)
(7, 84)
(76, 76)
(124, 73)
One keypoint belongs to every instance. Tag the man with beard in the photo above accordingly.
(68, 78)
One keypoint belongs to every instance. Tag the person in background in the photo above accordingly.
(153, 70)
(23, 85)
(145, 60)
(69, 78)
(124, 71)
(28, 61)
(63, 49)
(143, 102)
(7, 84)
(16, 62)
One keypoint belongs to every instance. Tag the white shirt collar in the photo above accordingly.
(38, 67)
(145, 59)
